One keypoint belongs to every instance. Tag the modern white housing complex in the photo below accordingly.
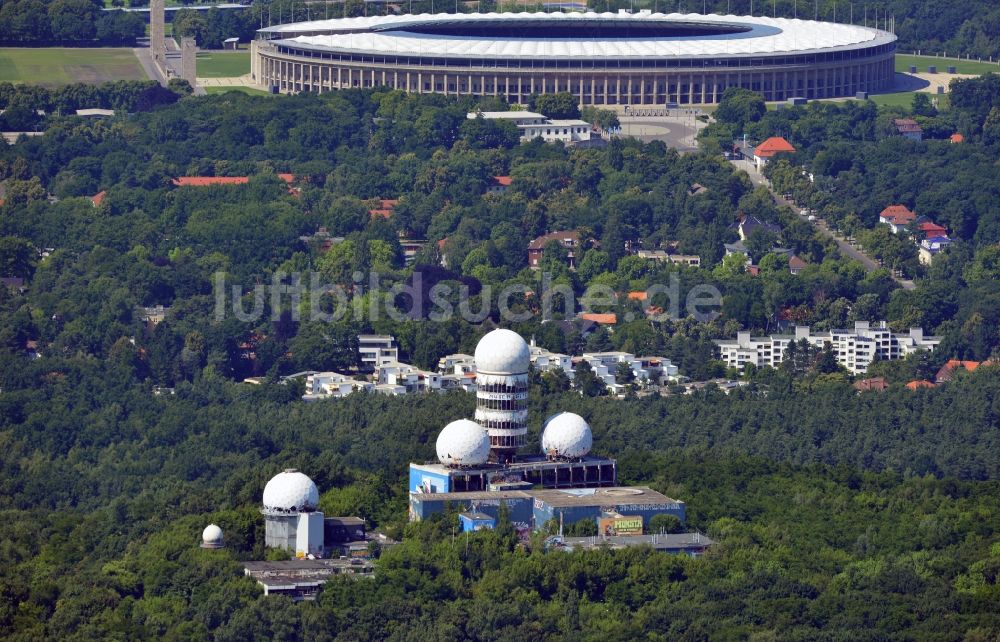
(376, 349)
(531, 125)
(651, 369)
(411, 378)
(333, 385)
(543, 360)
(855, 349)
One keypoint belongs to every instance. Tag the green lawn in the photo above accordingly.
(245, 90)
(903, 63)
(58, 66)
(223, 64)
(905, 99)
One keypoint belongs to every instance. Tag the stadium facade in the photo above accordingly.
(604, 59)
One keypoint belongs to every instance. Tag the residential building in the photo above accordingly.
(333, 385)
(651, 369)
(458, 363)
(498, 184)
(98, 198)
(855, 349)
(908, 128)
(931, 247)
(931, 229)
(384, 208)
(411, 378)
(376, 349)
(766, 151)
(152, 315)
(532, 125)
(569, 239)
(956, 138)
(897, 217)
(877, 384)
(690, 260)
(543, 360)
(795, 264)
(948, 370)
(748, 224)
(918, 384)
(600, 318)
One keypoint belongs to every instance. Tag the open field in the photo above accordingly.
(245, 90)
(223, 64)
(903, 63)
(61, 66)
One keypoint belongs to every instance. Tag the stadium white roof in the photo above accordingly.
(387, 35)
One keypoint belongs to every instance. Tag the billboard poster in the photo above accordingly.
(620, 525)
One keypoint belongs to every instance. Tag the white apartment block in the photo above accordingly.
(855, 349)
(376, 349)
(333, 385)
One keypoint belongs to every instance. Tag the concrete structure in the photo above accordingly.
(333, 385)
(471, 521)
(573, 505)
(157, 35)
(528, 470)
(602, 59)
(289, 506)
(518, 505)
(855, 349)
(691, 544)
(376, 349)
(189, 66)
(531, 125)
(502, 362)
(302, 579)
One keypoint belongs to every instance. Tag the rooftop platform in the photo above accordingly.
(537, 470)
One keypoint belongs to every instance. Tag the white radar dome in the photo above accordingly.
(211, 537)
(291, 491)
(502, 352)
(566, 434)
(463, 443)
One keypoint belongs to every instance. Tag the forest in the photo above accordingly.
(838, 515)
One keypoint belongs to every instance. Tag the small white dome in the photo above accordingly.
(463, 442)
(291, 491)
(566, 434)
(502, 352)
(211, 537)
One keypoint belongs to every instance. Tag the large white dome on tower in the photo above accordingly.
(502, 352)
(463, 442)
(566, 434)
(291, 491)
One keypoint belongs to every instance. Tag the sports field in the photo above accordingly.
(903, 63)
(58, 66)
(223, 64)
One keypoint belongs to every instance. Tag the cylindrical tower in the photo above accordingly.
(502, 359)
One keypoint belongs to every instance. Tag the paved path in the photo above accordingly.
(146, 60)
(677, 131)
(846, 248)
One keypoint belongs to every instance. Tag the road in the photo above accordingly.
(845, 247)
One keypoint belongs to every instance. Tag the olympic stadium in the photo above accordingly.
(604, 59)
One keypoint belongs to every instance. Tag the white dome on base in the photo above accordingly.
(463, 443)
(567, 435)
(290, 492)
(502, 352)
(211, 537)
